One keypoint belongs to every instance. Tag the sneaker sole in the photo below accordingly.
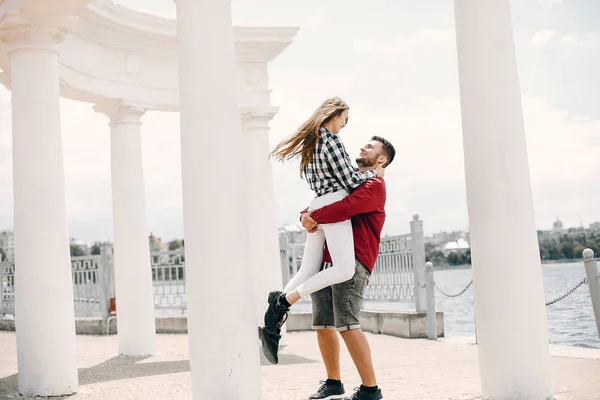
(265, 350)
(332, 397)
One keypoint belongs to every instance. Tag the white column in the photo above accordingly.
(45, 322)
(264, 241)
(511, 317)
(133, 273)
(223, 337)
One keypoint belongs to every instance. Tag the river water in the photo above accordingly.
(570, 321)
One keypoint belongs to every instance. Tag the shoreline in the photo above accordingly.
(469, 266)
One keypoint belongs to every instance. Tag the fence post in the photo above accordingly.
(593, 279)
(418, 253)
(431, 314)
(104, 280)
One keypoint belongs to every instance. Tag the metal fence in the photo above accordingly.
(7, 288)
(393, 280)
(401, 263)
(168, 278)
(393, 277)
(93, 283)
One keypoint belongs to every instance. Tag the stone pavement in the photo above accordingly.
(407, 369)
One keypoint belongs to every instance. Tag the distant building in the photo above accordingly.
(457, 246)
(441, 238)
(558, 226)
(595, 226)
(7, 244)
(156, 244)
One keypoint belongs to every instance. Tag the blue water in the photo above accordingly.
(570, 321)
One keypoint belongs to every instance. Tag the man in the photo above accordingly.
(338, 306)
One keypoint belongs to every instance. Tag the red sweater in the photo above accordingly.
(366, 207)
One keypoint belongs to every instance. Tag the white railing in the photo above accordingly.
(93, 283)
(393, 276)
(7, 288)
(401, 263)
(168, 278)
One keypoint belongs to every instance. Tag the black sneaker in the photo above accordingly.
(270, 345)
(276, 314)
(361, 394)
(328, 392)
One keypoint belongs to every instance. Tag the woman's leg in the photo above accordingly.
(311, 260)
(280, 302)
(340, 242)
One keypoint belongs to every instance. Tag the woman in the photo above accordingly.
(330, 174)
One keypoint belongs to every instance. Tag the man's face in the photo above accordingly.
(369, 154)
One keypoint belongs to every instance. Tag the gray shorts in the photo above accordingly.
(338, 306)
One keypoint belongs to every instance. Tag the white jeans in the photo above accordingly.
(340, 243)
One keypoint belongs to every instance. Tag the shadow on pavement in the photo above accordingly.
(123, 367)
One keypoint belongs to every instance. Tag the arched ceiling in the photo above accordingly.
(163, 8)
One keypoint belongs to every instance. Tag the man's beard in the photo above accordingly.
(362, 162)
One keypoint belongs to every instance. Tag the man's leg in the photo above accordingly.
(323, 322)
(347, 303)
(329, 344)
(359, 350)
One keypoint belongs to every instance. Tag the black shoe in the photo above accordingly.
(270, 345)
(276, 314)
(328, 392)
(361, 394)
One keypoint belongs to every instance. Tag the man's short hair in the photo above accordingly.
(388, 149)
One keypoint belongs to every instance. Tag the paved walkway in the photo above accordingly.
(407, 369)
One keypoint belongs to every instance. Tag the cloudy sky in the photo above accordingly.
(394, 62)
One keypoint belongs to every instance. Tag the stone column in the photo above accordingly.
(264, 242)
(133, 273)
(224, 355)
(511, 316)
(45, 322)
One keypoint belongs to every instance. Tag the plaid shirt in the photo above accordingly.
(331, 169)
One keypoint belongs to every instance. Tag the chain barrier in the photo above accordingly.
(567, 294)
(453, 295)
(551, 302)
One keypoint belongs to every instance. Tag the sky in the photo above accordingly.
(394, 62)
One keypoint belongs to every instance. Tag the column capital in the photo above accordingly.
(121, 112)
(258, 117)
(27, 30)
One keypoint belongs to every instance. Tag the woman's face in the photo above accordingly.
(339, 122)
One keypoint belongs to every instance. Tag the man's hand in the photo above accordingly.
(380, 170)
(308, 223)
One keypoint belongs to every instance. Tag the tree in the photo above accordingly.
(77, 251)
(95, 251)
(174, 245)
(579, 251)
(454, 259)
(567, 251)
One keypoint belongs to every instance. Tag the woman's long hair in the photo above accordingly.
(304, 140)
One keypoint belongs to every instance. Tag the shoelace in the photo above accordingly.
(323, 385)
(280, 308)
(283, 319)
